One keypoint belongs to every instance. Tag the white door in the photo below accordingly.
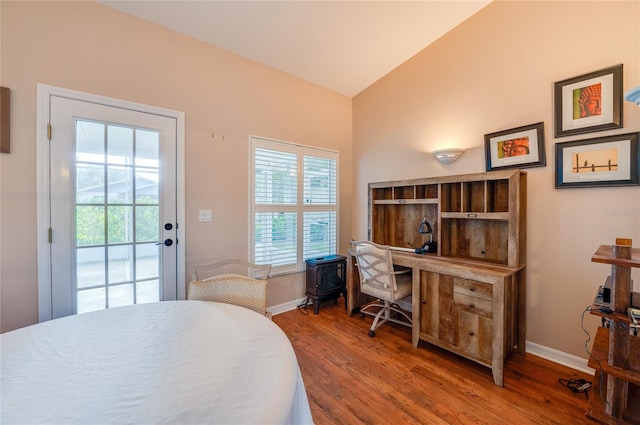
(112, 207)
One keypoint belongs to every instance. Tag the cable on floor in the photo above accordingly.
(577, 385)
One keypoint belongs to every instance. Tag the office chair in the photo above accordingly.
(379, 279)
(246, 288)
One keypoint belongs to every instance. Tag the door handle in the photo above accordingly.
(167, 242)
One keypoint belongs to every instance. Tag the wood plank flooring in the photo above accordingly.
(353, 379)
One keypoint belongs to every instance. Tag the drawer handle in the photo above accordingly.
(472, 215)
(423, 301)
(472, 289)
(472, 305)
(471, 333)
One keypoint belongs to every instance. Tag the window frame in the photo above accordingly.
(300, 208)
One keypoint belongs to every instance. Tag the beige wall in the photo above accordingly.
(88, 47)
(494, 72)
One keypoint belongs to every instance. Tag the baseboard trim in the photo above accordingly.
(288, 306)
(556, 356)
(569, 360)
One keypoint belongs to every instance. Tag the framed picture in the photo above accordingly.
(519, 147)
(604, 161)
(588, 103)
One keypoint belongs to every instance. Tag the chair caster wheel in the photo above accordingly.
(372, 333)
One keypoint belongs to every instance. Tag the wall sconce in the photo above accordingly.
(633, 95)
(447, 156)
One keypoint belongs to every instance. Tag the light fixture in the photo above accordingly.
(633, 95)
(447, 156)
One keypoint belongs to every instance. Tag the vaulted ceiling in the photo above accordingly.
(344, 46)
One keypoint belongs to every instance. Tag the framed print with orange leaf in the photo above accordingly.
(589, 102)
(603, 161)
(519, 147)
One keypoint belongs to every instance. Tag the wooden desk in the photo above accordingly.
(472, 308)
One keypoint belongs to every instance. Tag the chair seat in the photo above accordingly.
(405, 286)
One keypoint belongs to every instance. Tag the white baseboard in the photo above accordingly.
(288, 306)
(556, 356)
(574, 362)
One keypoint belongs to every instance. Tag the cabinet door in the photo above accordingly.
(473, 334)
(437, 306)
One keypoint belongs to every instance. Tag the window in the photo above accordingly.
(294, 199)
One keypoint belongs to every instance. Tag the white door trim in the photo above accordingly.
(43, 202)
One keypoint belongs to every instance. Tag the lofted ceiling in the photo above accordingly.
(344, 46)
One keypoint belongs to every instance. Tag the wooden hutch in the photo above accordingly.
(468, 296)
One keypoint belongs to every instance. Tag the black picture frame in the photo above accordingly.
(520, 147)
(598, 162)
(572, 97)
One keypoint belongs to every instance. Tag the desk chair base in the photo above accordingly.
(384, 315)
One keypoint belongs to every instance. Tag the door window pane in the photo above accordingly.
(89, 183)
(90, 266)
(120, 145)
(120, 263)
(148, 291)
(89, 225)
(89, 141)
(120, 295)
(147, 148)
(92, 300)
(147, 261)
(147, 224)
(120, 224)
(120, 184)
(147, 188)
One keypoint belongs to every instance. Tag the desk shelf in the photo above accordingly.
(615, 354)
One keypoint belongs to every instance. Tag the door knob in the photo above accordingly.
(167, 242)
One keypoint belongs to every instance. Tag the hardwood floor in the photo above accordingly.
(353, 379)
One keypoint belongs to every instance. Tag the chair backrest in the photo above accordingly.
(231, 266)
(375, 266)
(232, 289)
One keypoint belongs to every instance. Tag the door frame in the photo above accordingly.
(45, 92)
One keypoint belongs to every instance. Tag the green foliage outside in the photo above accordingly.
(90, 223)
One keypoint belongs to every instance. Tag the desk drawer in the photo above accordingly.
(473, 288)
(473, 304)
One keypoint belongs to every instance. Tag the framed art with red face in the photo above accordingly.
(589, 102)
(519, 147)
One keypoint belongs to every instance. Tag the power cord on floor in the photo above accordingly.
(601, 383)
(577, 385)
(302, 307)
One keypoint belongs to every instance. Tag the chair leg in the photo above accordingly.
(381, 318)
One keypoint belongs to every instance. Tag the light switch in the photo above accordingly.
(205, 216)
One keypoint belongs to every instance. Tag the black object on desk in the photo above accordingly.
(326, 279)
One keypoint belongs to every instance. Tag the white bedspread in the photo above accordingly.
(174, 362)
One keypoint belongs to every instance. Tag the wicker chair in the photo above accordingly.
(231, 266)
(379, 280)
(233, 282)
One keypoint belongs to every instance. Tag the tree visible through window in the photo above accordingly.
(294, 204)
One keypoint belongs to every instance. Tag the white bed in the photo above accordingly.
(175, 362)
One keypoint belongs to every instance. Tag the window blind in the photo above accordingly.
(294, 199)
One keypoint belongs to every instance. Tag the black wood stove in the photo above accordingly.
(326, 279)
